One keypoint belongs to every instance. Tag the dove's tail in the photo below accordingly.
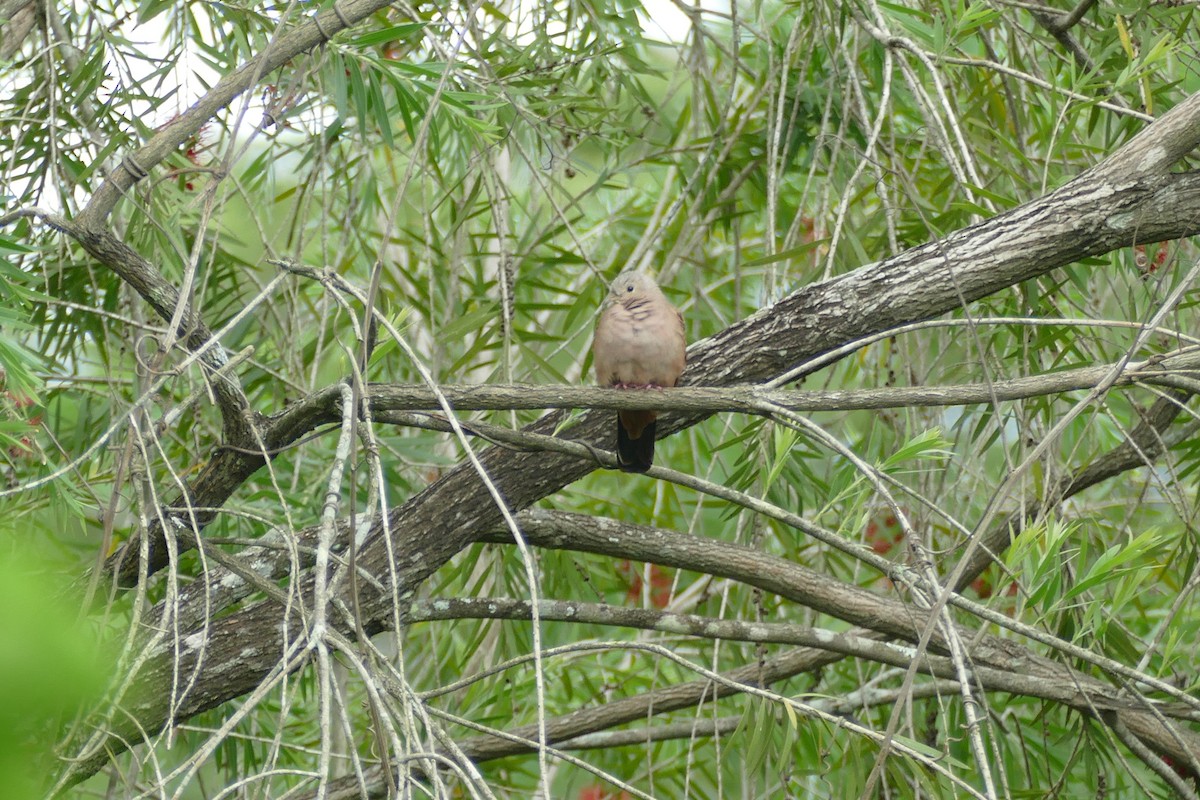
(635, 453)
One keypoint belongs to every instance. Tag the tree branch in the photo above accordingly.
(1159, 370)
(998, 677)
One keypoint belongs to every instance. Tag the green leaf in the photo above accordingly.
(1117, 559)
(929, 444)
(787, 255)
(396, 33)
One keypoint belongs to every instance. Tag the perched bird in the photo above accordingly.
(639, 344)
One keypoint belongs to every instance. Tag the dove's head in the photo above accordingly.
(633, 283)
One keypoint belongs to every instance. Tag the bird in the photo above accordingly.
(639, 344)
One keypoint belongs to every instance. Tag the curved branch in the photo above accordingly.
(1008, 677)
(163, 297)
(877, 614)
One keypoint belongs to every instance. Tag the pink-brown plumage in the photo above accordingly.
(639, 343)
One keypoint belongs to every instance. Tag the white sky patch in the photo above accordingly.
(663, 20)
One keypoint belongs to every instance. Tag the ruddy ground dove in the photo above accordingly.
(639, 344)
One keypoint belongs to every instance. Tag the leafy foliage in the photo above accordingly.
(490, 166)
